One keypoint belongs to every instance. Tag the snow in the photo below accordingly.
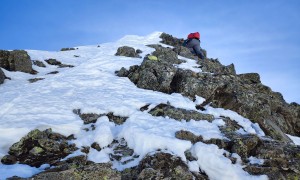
(254, 160)
(217, 166)
(93, 87)
(295, 139)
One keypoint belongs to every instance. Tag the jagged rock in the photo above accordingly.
(214, 66)
(250, 78)
(128, 52)
(159, 166)
(67, 49)
(154, 75)
(38, 63)
(170, 40)
(9, 159)
(165, 55)
(2, 76)
(178, 113)
(40, 147)
(16, 60)
(122, 72)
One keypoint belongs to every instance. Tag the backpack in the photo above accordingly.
(194, 35)
(185, 42)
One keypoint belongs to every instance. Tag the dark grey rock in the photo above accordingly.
(67, 49)
(53, 62)
(38, 63)
(16, 60)
(35, 80)
(2, 76)
(127, 51)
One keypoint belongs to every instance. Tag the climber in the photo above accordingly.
(193, 43)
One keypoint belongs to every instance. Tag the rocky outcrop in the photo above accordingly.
(220, 86)
(39, 147)
(16, 60)
(128, 52)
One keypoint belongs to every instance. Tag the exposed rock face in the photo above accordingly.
(2, 76)
(39, 147)
(128, 52)
(16, 60)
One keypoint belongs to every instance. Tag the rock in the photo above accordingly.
(38, 63)
(9, 159)
(53, 62)
(214, 66)
(153, 75)
(40, 147)
(170, 40)
(2, 76)
(122, 72)
(96, 146)
(35, 80)
(78, 172)
(116, 119)
(127, 51)
(92, 117)
(179, 114)
(58, 63)
(67, 49)
(250, 78)
(53, 72)
(163, 166)
(16, 60)
(138, 51)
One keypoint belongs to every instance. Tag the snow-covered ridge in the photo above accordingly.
(93, 87)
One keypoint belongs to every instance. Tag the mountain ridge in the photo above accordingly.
(131, 126)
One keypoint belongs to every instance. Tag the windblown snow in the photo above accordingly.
(93, 87)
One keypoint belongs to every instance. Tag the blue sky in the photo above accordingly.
(257, 36)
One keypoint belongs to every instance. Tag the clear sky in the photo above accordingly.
(256, 35)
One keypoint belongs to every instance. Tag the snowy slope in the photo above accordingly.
(93, 87)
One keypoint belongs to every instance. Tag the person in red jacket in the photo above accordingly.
(193, 44)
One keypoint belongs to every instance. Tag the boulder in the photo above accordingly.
(57, 63)
(128, 52)
(39, 147)
(153, 75)
(16, 60)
